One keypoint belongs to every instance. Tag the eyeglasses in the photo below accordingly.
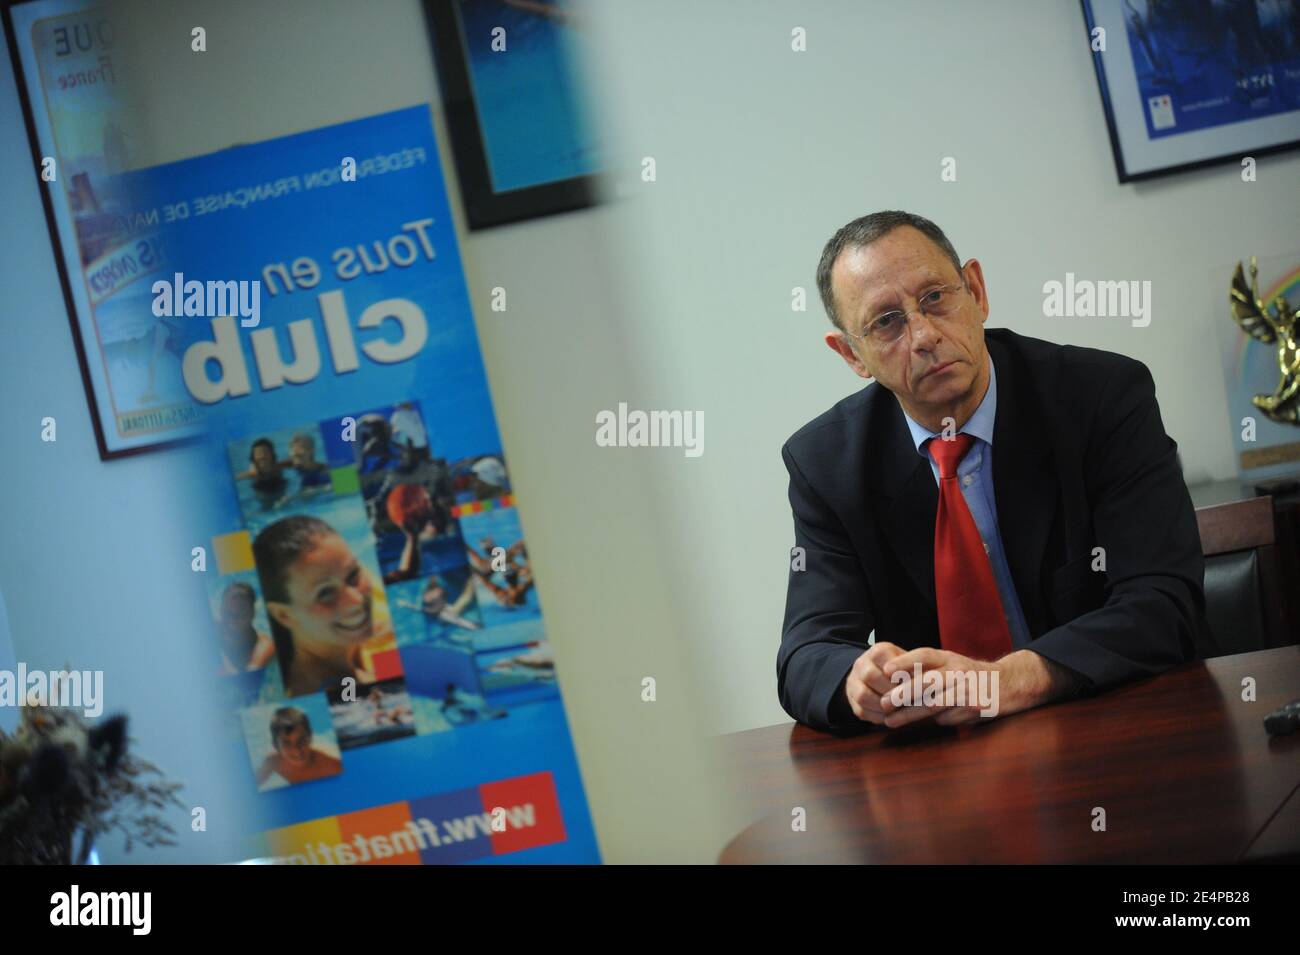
(887, 328)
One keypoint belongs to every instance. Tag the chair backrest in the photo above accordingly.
(1242, 602)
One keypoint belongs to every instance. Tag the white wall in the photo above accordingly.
(762, 153)
(556, 357)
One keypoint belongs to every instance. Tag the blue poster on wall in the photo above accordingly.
(375, 624)
(1187, 84)
(1205, 65)
(529, 104)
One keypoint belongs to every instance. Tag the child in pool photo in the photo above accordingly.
(313, 475)
(266, 473)
(243, 646)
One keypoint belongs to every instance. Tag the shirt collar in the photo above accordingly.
(980, 424)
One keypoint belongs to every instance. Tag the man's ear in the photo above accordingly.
(842, 346)
(973, 272)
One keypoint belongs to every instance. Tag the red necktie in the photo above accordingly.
(971, 621)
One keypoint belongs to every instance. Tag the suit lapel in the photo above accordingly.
(1024, 481)
(909, 498)
(1025, 488)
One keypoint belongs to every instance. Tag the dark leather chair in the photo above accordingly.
(1242, 602)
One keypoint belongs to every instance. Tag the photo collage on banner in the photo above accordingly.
(377, 591)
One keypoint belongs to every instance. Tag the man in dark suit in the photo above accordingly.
(993, 502)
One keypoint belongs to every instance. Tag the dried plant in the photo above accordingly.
(63, 779)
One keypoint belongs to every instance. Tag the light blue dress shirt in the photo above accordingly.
(975, 474)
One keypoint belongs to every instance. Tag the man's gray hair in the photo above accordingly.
(865, 230)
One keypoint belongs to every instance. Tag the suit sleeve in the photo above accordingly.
(828, 614)
(1144, 520)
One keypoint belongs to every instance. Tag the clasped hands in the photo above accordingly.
(1023, 680)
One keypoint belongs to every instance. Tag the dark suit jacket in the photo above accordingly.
(1080, 460)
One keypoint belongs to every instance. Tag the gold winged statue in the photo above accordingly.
(1280, 329)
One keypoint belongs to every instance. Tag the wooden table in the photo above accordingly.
(1180, 764)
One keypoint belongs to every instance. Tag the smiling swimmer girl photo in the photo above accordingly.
(320, 601)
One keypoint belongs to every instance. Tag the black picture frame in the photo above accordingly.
(1123, 164)
(484, 206)
(56, 246)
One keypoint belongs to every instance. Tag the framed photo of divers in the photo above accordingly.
(523, 144)
(1187, 85)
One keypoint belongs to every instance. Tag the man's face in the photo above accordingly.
(295, 746)
(937, 362)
